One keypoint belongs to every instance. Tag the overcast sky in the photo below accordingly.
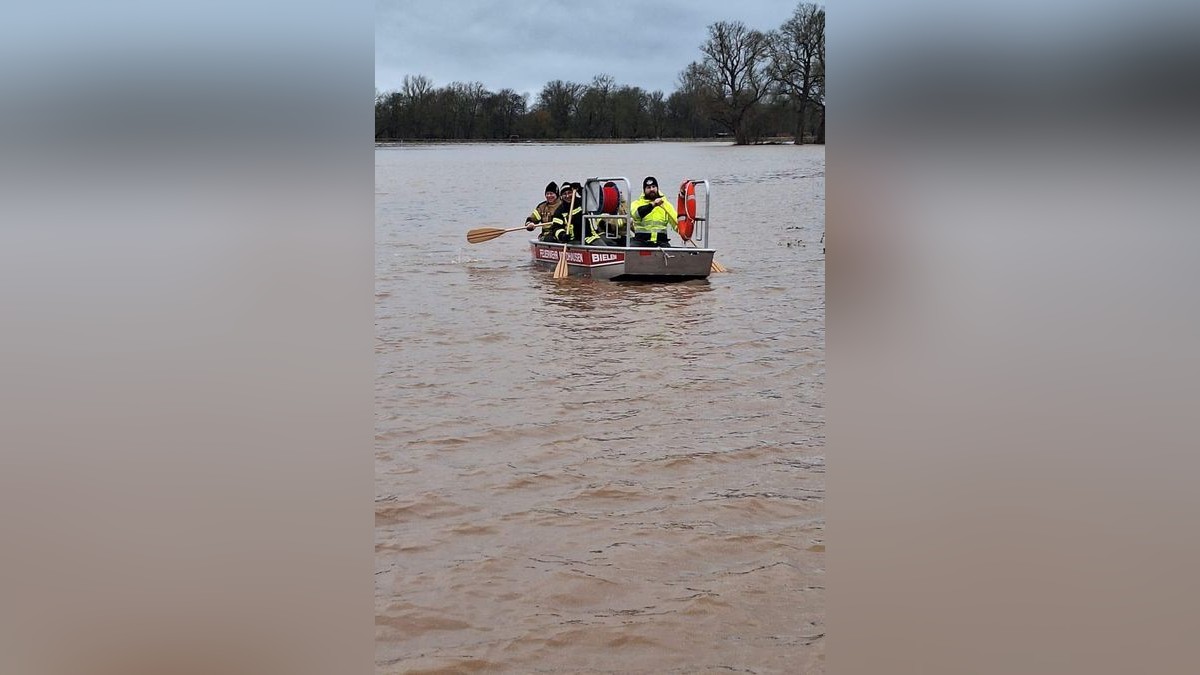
(523, 44)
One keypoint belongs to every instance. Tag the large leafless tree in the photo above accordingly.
(418, 94)
(594, 113)
(798, 65)
(733, 75)
(560, 99)
(657, 107)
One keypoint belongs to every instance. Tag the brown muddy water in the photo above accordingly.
(578, 476)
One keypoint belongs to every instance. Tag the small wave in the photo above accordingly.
(390, 511)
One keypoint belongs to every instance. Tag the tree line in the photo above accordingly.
(747, 85)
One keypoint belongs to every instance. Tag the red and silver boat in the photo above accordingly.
(606, 203)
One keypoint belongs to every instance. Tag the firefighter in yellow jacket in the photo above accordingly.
(652, 214)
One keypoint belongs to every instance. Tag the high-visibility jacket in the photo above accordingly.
(595, 231)
(655, 219)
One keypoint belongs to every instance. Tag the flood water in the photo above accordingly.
(577, 476)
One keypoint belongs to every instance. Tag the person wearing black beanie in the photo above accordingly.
(568, 217)
(652, 215)
(543, 213)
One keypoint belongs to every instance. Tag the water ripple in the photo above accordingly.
(580, 476)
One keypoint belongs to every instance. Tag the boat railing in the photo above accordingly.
(613, 226)
(619, 225)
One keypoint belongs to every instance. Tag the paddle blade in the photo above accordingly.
(560, 269)
(482, 234)
(718, 267)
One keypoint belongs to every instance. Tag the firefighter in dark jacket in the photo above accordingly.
(568, 218)
(543, 213)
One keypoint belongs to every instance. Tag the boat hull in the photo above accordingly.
(619, 263)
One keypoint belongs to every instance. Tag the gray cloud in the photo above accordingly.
(524, 44)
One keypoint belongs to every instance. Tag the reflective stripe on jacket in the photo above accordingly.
(572, 222)
(543, 214)
(657, 219)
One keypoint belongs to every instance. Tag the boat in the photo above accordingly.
(606, 202)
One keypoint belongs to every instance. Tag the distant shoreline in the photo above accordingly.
(379, 142)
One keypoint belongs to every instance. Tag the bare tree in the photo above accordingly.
(594, 116)
(733, 74)
(416, 87)
(417, 93)
(818, 93)
(687, 105)
(501, 112)
(560, 99)
(469, 101)
(798, 64)
(657, 107)
(629, 112)
(390, 117)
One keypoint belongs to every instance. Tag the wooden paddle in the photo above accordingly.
(482, 234)
(716, 266)
(560, 269)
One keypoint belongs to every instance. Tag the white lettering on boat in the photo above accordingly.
(578, 257)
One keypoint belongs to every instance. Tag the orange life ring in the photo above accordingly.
(686, 208)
